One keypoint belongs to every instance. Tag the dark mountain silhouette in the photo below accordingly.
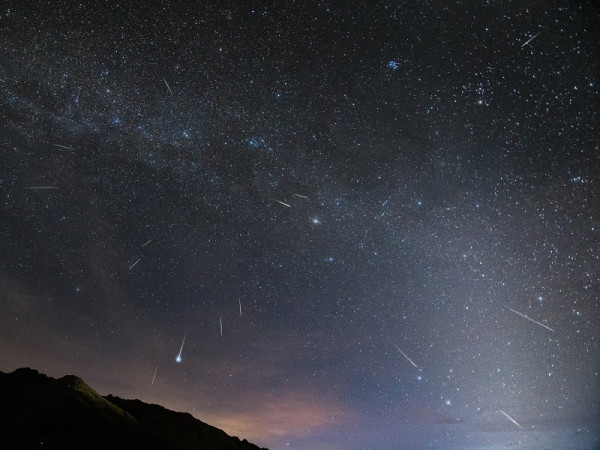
(40, 412)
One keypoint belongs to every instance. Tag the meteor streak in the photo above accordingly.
(511, 419)
(530, 39)
(134, 264)
(221, 324)
(240, 307)
(150, 240)
(404, 354)
(529, 318)
(63, 146)
(154, 376)
(40, 188)
(281, 203)
(178, 358)
(168, 87)
(301, 196)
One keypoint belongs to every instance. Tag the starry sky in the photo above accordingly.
(359, 224)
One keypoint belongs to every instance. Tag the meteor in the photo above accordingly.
(154, 376)
(63, 146)
(178, 358)
(530, 39)
(281, 203)
(134, 264)
(511, 419)
(404, 354)
(150, 240)
(301, 196)
(240, 307)
(221, 324)
(529, 318)
(40, 188)
(168, 87)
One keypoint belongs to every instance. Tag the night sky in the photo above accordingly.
(359, 224)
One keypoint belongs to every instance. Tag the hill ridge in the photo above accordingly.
(39, 411)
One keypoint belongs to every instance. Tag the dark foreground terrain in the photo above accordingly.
(40, 412)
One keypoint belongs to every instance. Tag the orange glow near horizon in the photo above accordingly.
(287, 415)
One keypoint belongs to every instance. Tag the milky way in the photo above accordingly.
(360, 177)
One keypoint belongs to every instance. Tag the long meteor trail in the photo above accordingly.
(529, 318)
(530, 39)
(178, 358)
(511, 419)
(134, 264)
(404, 354)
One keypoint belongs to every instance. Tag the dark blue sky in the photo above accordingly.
(378, 223)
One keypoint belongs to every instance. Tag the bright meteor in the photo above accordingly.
(178, 358)
(530, 39)
(511, 419)
(282, 203)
